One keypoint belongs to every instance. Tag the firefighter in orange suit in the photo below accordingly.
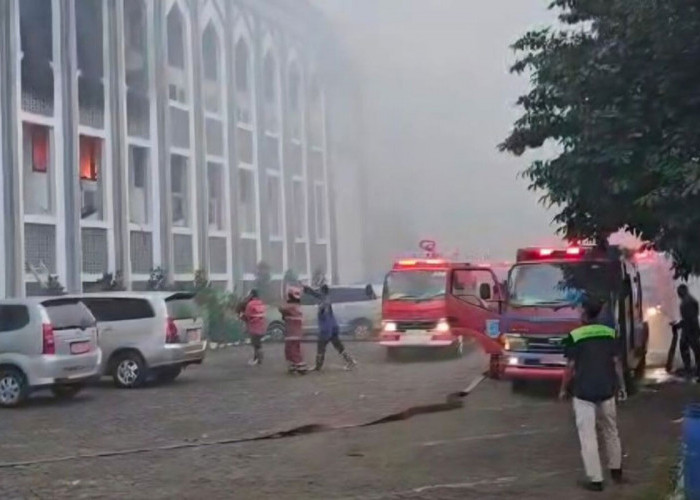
(291, 313)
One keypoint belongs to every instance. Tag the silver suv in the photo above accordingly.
(45, 343)
(147, 334)
(357, 309)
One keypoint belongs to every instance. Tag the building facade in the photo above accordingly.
(182, 135)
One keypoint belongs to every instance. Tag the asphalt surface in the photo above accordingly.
(193, 438)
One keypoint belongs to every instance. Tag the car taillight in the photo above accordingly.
(48, 339)
(171, 332)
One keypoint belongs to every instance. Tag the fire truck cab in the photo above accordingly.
(545, 289)
(434, 303)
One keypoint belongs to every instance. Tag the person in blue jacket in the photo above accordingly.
(328, 329)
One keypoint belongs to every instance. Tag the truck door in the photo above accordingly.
(474, 302)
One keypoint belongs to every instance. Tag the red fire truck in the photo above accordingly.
(432, 302)
(545, 289)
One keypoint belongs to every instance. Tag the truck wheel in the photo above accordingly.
(457, 348)
(518, 385)
(393, 353)
(495, 367)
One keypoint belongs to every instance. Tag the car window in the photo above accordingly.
(339, 295)
(13, 318)
(68, 313)
(182, 306)
(119, 309)
(308, 300)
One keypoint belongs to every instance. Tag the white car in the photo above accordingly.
(46, 343)
(144, 334)
(358, 313)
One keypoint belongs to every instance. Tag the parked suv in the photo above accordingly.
(45, 343)
(143, 334)
(357, 309)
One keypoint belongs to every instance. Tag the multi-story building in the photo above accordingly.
(184, 135)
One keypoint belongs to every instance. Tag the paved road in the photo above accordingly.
(170, 441)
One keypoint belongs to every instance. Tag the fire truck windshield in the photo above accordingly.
(558, 283)
(415, 285)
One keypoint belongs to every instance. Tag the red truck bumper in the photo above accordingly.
(533, 373)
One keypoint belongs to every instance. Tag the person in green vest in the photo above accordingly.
(594, 376)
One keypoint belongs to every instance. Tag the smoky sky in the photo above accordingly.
(438, 98)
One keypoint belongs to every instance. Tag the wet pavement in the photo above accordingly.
(193, 437)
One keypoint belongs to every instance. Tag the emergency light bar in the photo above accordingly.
(404, 263)
(552, 253)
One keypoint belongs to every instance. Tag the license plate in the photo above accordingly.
(194, 335)
(553, 360)
(79, 347)
(414, 333)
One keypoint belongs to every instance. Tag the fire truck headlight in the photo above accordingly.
(389, 326)
(442, 326)
(512, 361)
(515, 342)
(652, 311)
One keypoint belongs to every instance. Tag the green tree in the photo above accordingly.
(616, 86)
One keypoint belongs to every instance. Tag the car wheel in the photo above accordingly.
(276, 331)
(66, 391)
(129, 370)
(361, 329)
(13, 388)
(169, 374)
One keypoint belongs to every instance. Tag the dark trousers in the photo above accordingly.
(333, 339)
(256, 342)
(690, 341)
(321, 349)
(672, 349)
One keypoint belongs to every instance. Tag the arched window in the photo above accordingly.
(270, 91)
(210, 54)
(210, 65)
(176, 38)
(242, 63)
(269, 79)
(316, 114)
(244, 99)
(295, 102)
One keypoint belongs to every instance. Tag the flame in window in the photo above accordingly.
(90, 154)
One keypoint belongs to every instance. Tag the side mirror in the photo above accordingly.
(485, 291)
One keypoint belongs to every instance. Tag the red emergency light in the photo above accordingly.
(551, 253)
(420, 263)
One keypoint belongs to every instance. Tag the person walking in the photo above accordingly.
(254, 317)
(690, 331)
(328, 329)
(594, 373)
(292, 316)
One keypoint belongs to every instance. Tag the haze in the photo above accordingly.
(438, 99)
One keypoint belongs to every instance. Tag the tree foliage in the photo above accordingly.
(616, 86)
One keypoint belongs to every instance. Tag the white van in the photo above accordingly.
(46, 343)
(143, 334)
